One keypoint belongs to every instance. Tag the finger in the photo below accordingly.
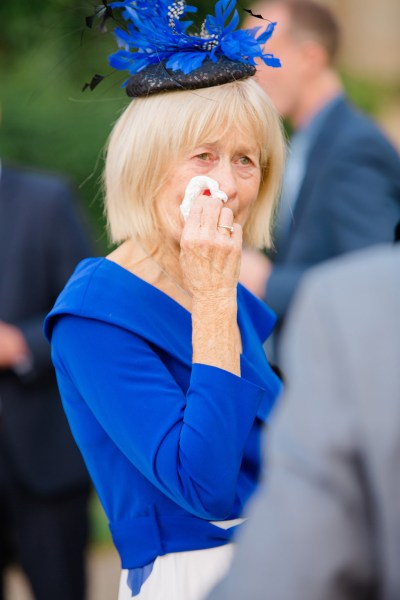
(210, 214)
(237, 235)
(194, 220)
(225, 221)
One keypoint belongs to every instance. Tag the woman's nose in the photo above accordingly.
(223, 173)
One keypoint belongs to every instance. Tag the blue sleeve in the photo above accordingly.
(189, 446)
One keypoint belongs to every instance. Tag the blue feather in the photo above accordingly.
(158, 31)
(271, 60)
(264, 37)
(186, 61)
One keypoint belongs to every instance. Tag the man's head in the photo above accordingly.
(306, 40)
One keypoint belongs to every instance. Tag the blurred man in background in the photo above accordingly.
(44, 487)
(341, 189)
(326, 526)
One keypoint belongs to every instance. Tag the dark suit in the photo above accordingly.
(349, 199)
(44, 484)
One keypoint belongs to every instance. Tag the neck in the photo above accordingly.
(316, 96)
(166, 256)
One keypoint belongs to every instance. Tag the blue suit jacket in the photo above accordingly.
(349, 199)
(41, 241)
(170, 445)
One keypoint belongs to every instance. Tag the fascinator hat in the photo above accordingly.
(160, 54)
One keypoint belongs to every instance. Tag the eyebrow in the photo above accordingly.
(249, 150)
(241, 149)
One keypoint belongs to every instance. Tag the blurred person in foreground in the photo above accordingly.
(158, 352)
(326, 524)
(341, 189)
(44, 486)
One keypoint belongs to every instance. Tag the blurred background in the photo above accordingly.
(47, 54)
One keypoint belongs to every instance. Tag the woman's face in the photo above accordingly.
(233, 161)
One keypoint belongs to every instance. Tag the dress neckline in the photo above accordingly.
(176, 304)
(145, 283)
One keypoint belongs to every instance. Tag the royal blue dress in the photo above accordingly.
(170, 445)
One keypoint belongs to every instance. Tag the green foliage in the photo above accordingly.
(46, 55)
(365, 94)
(48, 123)
(100, 533)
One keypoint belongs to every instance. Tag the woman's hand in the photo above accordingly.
(211, 247)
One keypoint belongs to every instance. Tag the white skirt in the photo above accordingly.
(183, 575)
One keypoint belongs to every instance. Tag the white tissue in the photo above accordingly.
(195, 187)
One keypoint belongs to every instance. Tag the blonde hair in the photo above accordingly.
(151, 135)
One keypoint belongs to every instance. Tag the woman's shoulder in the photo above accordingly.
(97, 289)
(102, 290)
(86, 276)
(71, 298)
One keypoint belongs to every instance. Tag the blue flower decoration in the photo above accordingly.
(155, 32)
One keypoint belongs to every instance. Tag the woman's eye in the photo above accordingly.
(203, 156)
(244, 160)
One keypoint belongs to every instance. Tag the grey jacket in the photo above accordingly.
(326, 523)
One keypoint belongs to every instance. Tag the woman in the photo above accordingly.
(158, 351)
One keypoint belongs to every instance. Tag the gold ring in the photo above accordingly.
(228, 227)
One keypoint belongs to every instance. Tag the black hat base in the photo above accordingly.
(157, 78)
